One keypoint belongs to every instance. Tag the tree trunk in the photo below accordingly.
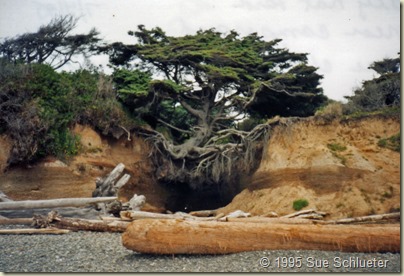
(53, 203)
(90, 225)
(196, 237)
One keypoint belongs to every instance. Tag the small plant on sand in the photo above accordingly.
(300, 204)
(392, 142)
(336, 147)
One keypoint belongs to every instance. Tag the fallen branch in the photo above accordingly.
(372, 218)
(53, 203)
(134, 215)
(4, 197)
(203, 213)
(15, 221)
(305, 213)
(33, 231)
(55, 221)
(204, 237)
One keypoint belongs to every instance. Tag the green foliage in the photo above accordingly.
(392, 142)
(300, 204)
(52, 44)
(39, 106)
(336, 147)
(196, 70)
(330, 111)
(249, 123)
(378, 93)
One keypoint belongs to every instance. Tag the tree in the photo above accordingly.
(203, 84)
(52, 44)
(380, 92)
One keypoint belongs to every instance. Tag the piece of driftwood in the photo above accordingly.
(54, 220)
(373, 218)
(15, 221)
(310, 213)
(275, 220)
(168, 236)
(33, 231)
(4, 197)
(203, 213)
(134, 215)
(106, 186)
(53, 203)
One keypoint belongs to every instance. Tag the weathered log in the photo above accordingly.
(122, 181)
(15, 221)
(133, 215)
(196, 237)
(33, 231)
(271, 220)
(372, 218)
(90, 225)
(304, 213)
(4, 197)
(203, 213)
(106, 186)
(55, 221)
(53, 203)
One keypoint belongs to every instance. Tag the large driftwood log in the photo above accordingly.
(53, 203)
(196, 237)
(373, 218)
(33, 231)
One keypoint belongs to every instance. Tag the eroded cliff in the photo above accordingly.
(337, 166)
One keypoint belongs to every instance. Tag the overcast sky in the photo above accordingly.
(342, 37)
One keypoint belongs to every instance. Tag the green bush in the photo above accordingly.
(336, 147)
(331, 111)
(393, 142)
(300, 204)
(39, 107)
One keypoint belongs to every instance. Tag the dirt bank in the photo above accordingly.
(336, 166)
(52, 178)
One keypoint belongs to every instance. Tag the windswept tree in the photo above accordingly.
(379, 92)
(194, 89)
(52, 44)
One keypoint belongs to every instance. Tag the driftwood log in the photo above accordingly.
(207, 237)
(54, 220)
(33, 231)
(52, 203)
(4, 197)
(109, 185)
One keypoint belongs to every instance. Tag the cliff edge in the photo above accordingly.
(339, 167)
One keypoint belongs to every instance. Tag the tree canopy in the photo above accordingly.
(379, 92)
(52, 44)
(197, 87)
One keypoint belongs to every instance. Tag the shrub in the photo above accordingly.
(300, 204)
(331, 111)
(393, 142)
(336, 147)
(39, 106)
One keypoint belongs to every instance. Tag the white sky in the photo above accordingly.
(342, 37)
